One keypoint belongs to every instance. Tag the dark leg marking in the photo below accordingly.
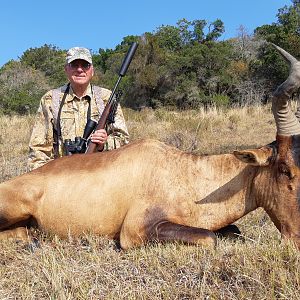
(3, 222)
(168, 231)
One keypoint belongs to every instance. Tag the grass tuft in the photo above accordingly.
(260, 267)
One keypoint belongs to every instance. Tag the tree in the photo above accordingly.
(184, 30)
(286, 31)
(169, 37)
(216, 29)
(289, 18)
(100, 60)
(286, 34)
(21, 88)
(198, 30)
(48, 59)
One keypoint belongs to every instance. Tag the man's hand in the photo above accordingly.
(99, 137)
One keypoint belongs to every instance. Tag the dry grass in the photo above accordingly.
(205, 131)
(262, 267)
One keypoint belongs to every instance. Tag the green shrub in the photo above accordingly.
(220, 100)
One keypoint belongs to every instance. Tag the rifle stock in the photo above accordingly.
(93, 147)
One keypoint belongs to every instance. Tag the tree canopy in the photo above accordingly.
(186, 65)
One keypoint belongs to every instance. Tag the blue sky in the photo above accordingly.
(103, 24)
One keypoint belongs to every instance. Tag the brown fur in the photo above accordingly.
(148, 191)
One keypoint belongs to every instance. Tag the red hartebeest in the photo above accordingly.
(150, 191)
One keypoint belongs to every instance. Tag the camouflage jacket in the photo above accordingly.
(73, 119)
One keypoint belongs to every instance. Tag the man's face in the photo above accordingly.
(79, 72)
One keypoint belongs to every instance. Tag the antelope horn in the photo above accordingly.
(286, 121)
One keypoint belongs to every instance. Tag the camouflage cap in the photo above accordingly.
(79, 53)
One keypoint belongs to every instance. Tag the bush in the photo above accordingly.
(21, 88)
(220, 100)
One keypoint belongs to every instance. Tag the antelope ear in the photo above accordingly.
(255, 157)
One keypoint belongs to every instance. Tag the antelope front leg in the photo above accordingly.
(168, 231)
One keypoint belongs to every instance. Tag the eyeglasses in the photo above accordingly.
(84, 65)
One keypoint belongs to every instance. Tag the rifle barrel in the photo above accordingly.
(92, 147)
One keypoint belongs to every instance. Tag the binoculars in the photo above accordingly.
(79, 145)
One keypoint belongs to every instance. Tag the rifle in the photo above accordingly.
(112, 104)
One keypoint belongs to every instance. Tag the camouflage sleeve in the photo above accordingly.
(117, 132)
(41, 140)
